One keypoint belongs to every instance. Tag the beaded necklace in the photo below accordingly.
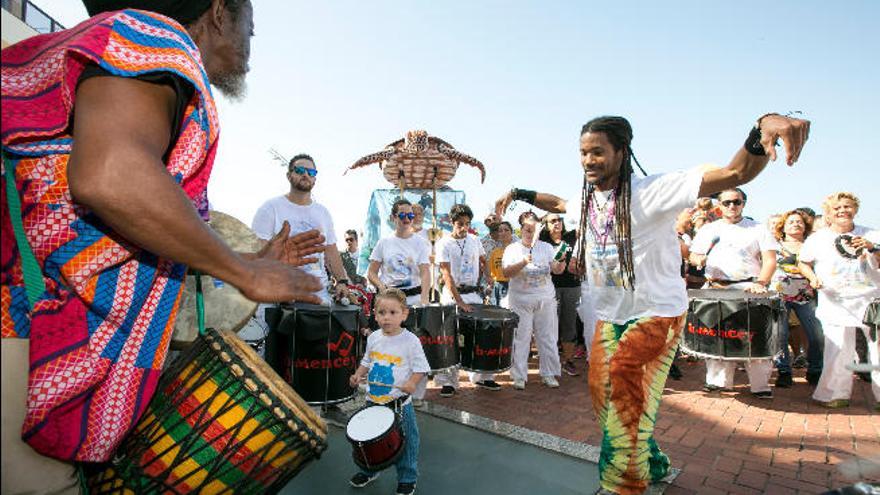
(602, 218)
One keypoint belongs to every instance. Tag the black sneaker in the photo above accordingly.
(784, 380)
(674, 372)
(406, 488)
(489, 385)
(711, 388)
(361, 480)
(768, 394)
(813, 377)
(447, 391)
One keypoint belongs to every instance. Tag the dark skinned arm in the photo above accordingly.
(121, 131)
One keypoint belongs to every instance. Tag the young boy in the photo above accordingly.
(393, 365)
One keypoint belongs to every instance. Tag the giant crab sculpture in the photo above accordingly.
(419, 161)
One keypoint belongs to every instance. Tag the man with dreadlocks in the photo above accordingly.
(628, 256)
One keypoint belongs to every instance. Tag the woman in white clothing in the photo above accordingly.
(531, 296)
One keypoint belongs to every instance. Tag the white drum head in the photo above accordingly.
(369, 423)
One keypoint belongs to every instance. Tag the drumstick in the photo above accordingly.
(380, 384)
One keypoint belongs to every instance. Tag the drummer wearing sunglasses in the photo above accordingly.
(738, 253)
(302, 213)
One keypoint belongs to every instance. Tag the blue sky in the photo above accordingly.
(512, 82)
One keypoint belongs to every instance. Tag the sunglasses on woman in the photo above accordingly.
(302, 170)
(736, 202)
(406, 215)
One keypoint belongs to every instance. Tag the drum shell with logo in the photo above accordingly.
(315, 348)
(485, 338)
(732, 324)
(376, 436)
(436, 328)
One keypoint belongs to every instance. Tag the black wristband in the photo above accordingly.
(524, 195)
(753, 143)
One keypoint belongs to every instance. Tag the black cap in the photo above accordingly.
(182, 11)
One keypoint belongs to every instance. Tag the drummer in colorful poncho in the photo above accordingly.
(632, 263)
(394, 364)
(113, 198)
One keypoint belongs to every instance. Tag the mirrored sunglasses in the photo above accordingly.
(406, 215)
(302, 170)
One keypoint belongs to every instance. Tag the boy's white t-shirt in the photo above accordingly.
(463, 256)
(400, 260)
(736, 254)
(534, 279)
(848, 285)
(656, 202)
(392, 360)
(270, 218)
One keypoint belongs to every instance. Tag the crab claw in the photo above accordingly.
(463, 158)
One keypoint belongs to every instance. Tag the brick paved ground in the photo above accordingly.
(723, 442)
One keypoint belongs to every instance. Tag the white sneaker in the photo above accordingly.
(550, 381)
(519, 384)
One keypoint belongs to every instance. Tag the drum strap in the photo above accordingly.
(200, 303)
(34, 284)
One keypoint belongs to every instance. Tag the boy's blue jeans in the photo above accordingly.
(408, 463)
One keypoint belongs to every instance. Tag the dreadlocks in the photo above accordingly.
(619, 134)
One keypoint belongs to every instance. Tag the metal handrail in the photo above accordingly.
(31, 15)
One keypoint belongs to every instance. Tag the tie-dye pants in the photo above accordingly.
(628, 368)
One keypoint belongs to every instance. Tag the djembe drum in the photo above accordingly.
(221, 421)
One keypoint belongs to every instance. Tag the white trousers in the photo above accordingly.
(840, 350)
(538, 316)
(587, 312)
(719, 372)
(450, 376)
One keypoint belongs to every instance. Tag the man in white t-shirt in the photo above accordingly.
(303, 214)
(462, 260)
(632, 261)
(738, 253)
(841, 261)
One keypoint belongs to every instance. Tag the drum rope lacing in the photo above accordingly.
(298, 431)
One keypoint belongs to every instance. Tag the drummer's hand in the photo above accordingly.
(859, 242)
(502, 203)
(816, 283)
(756, 288)
(408, 388)
(467, 308)
(573, 266)
(273, 281)
(295, 249)
(354, 380)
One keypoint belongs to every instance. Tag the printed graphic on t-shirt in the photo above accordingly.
(400, 270)
(381, 376)
(605, 266)
(534, 277)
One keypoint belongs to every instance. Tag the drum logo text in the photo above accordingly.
(445, 340)
(723, 333)
(494, 351)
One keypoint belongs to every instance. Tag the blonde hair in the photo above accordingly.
(832, 199)
(394, 295)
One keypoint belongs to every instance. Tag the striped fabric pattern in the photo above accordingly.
(629, 364)
(100, 333)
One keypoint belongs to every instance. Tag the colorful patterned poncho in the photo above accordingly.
(99, 334)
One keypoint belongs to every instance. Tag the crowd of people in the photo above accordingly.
(104, 213)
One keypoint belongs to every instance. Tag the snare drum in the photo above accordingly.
(732, 324)
(436, 328)
(315, 349)
(485, 338)
(221, 421)
(376, 436)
